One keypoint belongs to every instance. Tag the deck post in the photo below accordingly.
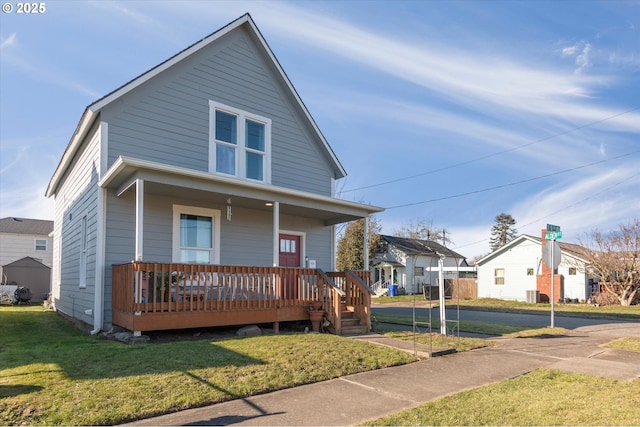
(139, 218)
(276, 327)
(276, 234)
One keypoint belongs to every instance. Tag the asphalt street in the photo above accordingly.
(535, 320)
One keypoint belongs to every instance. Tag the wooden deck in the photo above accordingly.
(155, 296)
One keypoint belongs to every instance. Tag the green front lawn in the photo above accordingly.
(543, 397)
(53, 374)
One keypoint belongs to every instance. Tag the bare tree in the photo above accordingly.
(350, 251)
(614, 259)
(422, 230)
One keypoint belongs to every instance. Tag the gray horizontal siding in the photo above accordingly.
(76, 198)
(167, 119)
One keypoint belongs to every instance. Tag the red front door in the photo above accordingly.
(289, 250)
(289, 257)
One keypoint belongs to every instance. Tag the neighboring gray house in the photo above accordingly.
(25, 237)
(414, 263)
(211, 157)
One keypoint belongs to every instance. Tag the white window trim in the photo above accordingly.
(35, 244)
(241, 149)
(192, 210)
(504, 276)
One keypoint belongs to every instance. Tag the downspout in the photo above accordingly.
(98, 304)
(98, 300)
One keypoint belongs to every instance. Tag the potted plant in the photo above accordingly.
(316, 313)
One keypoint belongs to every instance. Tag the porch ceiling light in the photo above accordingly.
(268, 204)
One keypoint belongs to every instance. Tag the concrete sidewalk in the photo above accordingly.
(354, 399)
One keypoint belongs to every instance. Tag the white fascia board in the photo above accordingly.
(148, 75)
(86, 121)
(123, 163)
(293, 91)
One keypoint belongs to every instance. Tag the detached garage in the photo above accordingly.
(32, 274)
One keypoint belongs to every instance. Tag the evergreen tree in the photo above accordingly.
(350, 252)
(502, 232)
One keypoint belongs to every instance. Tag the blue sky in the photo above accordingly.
(447, 113)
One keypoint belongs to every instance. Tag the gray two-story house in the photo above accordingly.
(201, 193)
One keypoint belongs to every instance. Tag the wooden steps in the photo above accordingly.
(351, 325)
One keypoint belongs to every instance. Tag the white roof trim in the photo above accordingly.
(78, 135)
(517, 241)
(88, 116)
(123, 163)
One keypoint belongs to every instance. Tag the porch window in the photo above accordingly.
(240, 143)
(196, 235)
(499, 276)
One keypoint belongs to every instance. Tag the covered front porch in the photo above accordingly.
(155, 296)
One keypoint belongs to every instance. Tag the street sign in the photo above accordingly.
(553, 235)
(551, 227)
(546, 255)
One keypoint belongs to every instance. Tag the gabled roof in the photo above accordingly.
(570, 249)
(92, 111)
(419, 247)
(27, 262)
(26, 226)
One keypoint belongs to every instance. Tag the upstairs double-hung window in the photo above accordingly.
(240, 143)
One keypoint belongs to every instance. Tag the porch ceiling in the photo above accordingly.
(187, 183)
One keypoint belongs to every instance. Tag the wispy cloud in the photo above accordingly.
(127, 11)
(581, 51)
(44, 72)
(585, 203)
(473, 78)
(8, 42)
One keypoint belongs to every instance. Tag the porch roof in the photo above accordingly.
(173, 180)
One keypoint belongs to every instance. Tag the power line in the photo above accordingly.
(604, 190)
(497, 153)
(497, 187)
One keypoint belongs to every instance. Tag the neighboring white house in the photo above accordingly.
(24, 237)
(414, 263)
(517, 268)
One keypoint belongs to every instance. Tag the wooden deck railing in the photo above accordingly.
(155, 296)
(357, 293)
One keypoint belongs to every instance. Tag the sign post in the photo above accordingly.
(552, 259)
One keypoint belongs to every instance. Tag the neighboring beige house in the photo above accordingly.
(21, 238)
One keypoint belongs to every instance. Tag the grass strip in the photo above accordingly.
(543, 397)
(628, 344)
(471, 326)
(493, 304)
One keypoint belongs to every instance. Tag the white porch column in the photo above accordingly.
(366, 243)
(276, 234)
(139, 218)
